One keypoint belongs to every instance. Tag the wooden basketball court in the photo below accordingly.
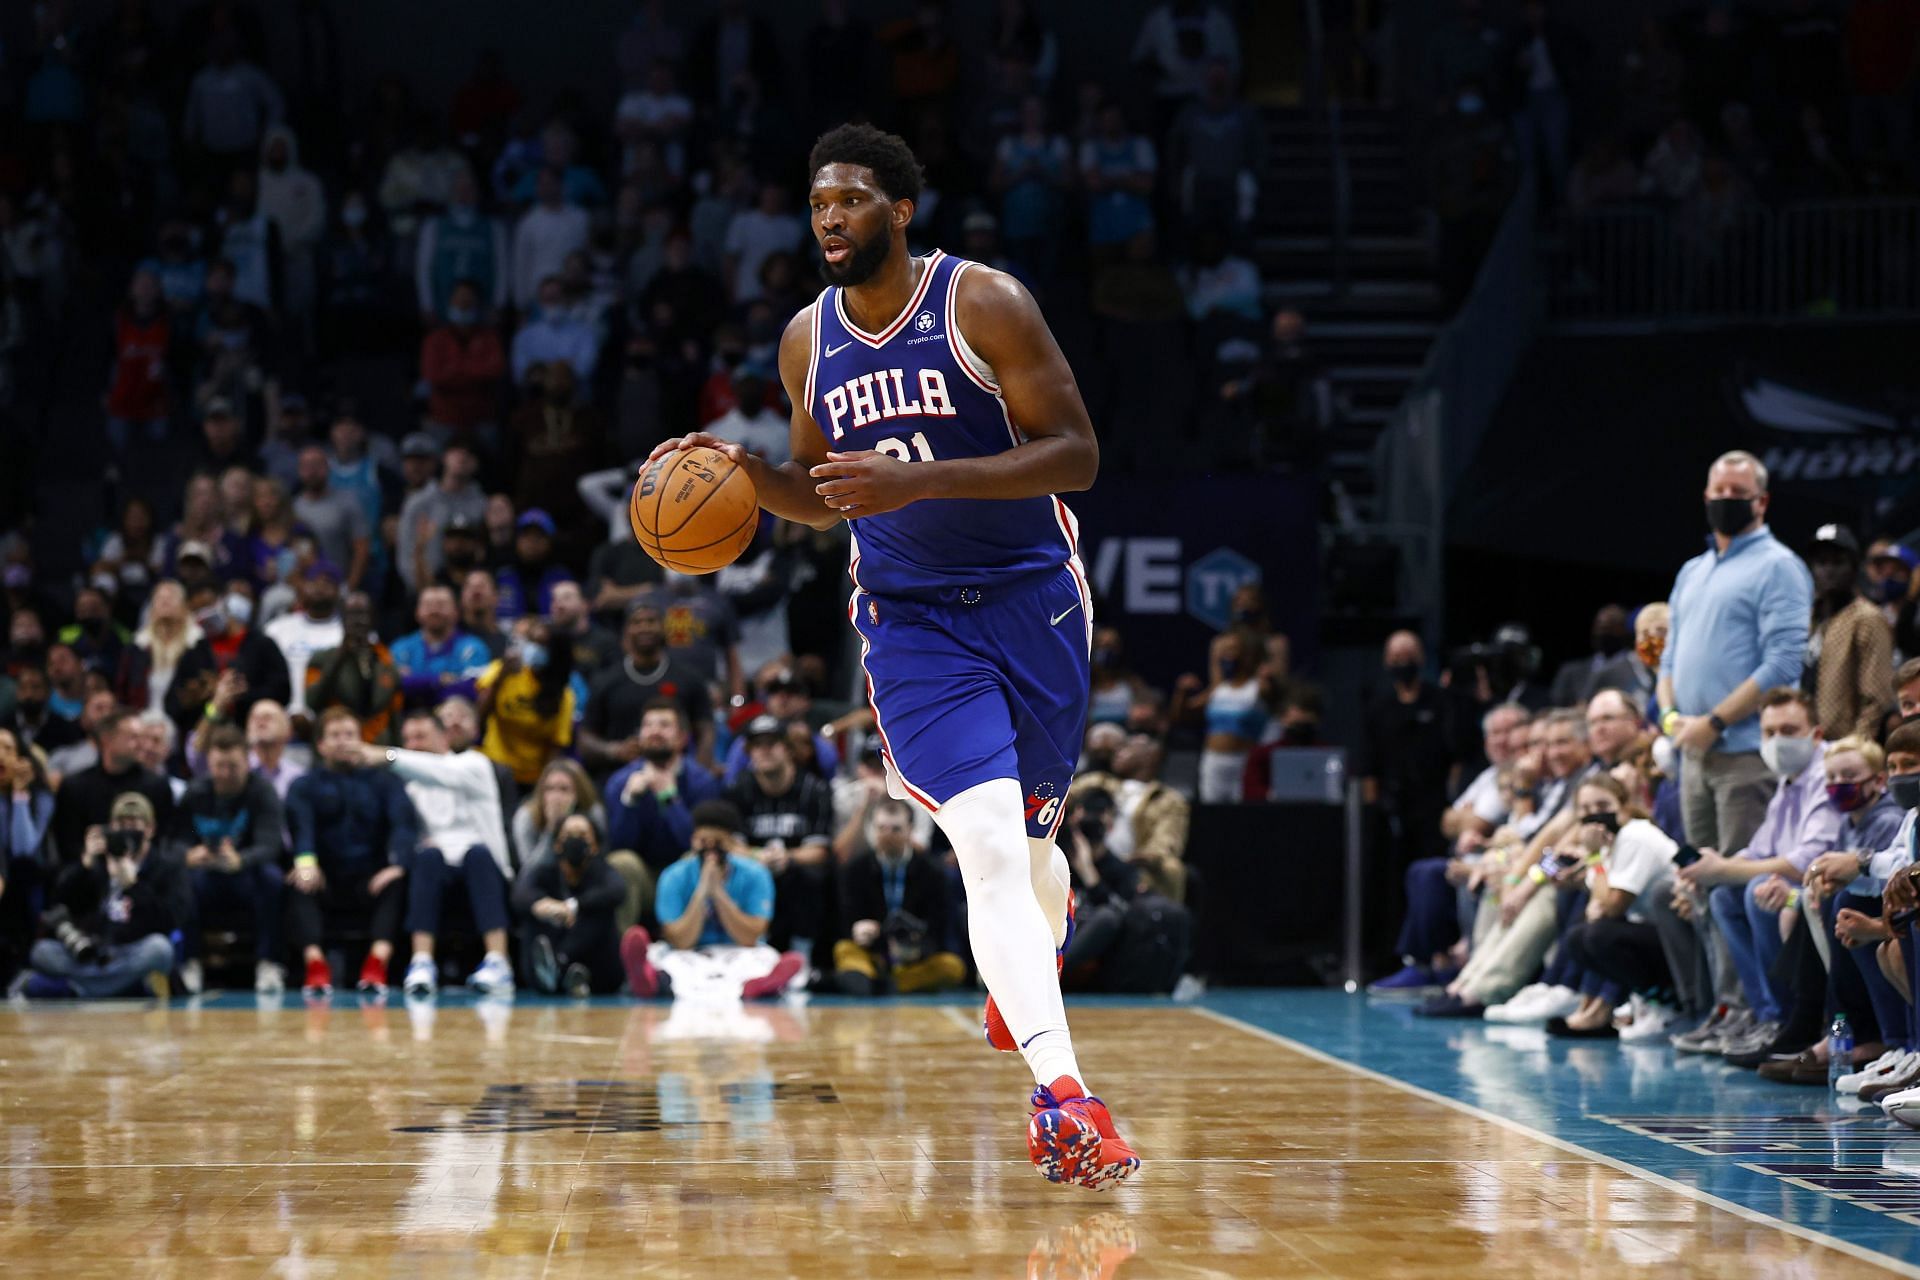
(825, 1141)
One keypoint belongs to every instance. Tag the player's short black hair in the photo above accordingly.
(887, 154)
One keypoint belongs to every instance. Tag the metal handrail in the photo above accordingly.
(1808, 260)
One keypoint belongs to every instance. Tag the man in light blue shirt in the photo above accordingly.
(1740, 617)
(1740, 614)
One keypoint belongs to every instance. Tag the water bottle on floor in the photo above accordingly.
(1839, 1050)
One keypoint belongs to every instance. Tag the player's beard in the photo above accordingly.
(861, 265)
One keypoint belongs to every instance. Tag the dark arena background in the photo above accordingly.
(1492, 840)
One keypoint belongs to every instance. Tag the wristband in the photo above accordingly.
(211, 710)
(1793, 900)
(1667, 719)
(1719, 725)
(306, 860)
(1513, 880)
(1536, 875)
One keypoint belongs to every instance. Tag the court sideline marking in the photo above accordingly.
(1847, 1247)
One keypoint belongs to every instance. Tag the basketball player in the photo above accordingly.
(933, 410)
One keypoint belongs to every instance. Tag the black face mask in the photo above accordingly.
(465, 558)
(1093, 830)
(1609, 821)
(574, 851)
(31, 707)
(1608, 643)
(93, 626)
(1729, 516)
(1299, 734)
(1404, 672)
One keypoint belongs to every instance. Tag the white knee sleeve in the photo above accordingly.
(1052, 883)
(1013, 941)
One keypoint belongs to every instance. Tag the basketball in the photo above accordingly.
(693, 510)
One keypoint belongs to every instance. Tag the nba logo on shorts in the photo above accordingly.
(924, 321)
(873, 612)
(1042, 803)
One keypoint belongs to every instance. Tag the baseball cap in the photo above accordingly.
(765, 727)
(218, 407)
(324, 568)
(194, 549)
(1901, 552)
(461, 523)
(419, 444)
(1836, 537)
(535, 518)
(133, 805)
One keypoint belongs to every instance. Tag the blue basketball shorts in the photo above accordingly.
(989, 685)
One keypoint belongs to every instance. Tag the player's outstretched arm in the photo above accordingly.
(784, 490)
(1004, 326)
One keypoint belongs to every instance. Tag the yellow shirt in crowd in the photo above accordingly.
(518, 736)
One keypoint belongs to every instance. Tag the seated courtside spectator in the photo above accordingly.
(462, 841)
(893, 911)
(113, 908)
(353, 830)
(569, 900)
(230, 825)
(789, 824)
(715, 904)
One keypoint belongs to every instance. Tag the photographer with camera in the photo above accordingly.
(112, 911)
(1126, 935)
(714, 904)
(570, 901)
(893, 898)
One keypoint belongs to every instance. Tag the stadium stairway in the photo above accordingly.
(1371, 319)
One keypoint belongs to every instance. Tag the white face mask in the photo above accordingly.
(239, 609)
(1788, 756)
(1663, 756)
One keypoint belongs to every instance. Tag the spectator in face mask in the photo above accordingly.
(1889, 584)
(1850, 652)
(1234, 715)
(1802, 821)
(527, 702)
(233, 666)
(569, 899)
(1114, 685)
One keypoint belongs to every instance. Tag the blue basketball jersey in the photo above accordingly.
(916, 390)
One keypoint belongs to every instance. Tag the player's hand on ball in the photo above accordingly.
(696, 440)
(866, 483)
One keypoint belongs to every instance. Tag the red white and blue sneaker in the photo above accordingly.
(997, 1034)
(1072, 1139)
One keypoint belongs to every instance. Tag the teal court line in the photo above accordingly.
(1562, 1093)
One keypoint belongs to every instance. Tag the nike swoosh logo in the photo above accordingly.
(1064, 612)
(834, 351)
